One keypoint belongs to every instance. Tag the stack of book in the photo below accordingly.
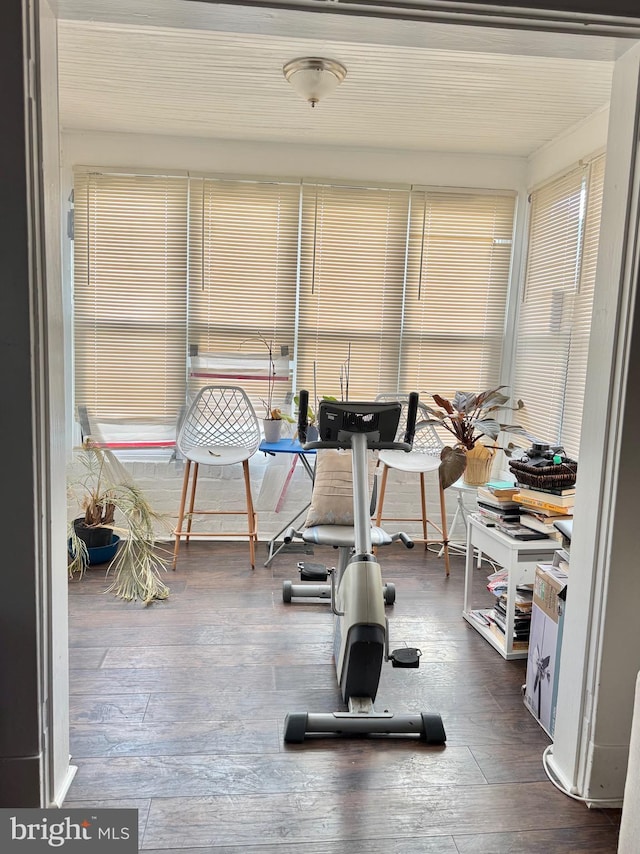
(540, 508)
(496, 503)
(522, 618)
(497, 618)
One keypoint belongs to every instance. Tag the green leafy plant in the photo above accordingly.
(312, 415)
(473, 416)
(109, 498)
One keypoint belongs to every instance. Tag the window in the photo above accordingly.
(176, 280)
(352, 271)
(457, 281)
(555, 312)
(243, 250)
(130, 306)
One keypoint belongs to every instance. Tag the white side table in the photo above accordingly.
(519, 557)
(461, 514)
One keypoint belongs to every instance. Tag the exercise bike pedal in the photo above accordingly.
(405, 657)
(312, 571)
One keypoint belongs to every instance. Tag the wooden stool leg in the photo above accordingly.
(192, 501)
(183, 499)
(423, 502)
(383, 486)
(443, 519)
(250, 514)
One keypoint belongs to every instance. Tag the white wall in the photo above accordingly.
(53, 442)
(309, 161)
(600, 655)
(582, 140)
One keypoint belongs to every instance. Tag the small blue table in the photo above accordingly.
(286, 446)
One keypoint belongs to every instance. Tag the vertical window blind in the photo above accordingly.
(243, 244)
(457, 281)
(555, 312)
(411, 284)
(130, 300)
(582, 308)
(352, 270)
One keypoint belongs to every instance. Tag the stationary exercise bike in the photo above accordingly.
(357, 593)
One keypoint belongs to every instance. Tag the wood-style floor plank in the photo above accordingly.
(296, 772)
(178, 709)
(363, 812)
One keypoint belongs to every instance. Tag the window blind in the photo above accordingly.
(555, 312)
(582, 308)
(243, 244)
(130, 266)
(180, 282)
(458, 268)
(352, 268)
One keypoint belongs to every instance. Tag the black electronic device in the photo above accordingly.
(541, 454)
(337, 421)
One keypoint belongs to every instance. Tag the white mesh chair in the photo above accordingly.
(220, 428)
(424, 458)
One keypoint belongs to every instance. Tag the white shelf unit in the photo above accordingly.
(519, 558)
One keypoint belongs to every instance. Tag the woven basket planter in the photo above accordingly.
(479, 463)
(562, 476)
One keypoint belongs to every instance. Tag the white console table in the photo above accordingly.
(519, 557)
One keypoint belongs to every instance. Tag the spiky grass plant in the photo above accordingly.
(110, 499)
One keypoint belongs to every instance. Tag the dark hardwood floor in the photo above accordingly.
(177, 709)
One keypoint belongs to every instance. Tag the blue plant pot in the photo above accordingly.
(102, 554)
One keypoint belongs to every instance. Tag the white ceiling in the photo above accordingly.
(217, 72)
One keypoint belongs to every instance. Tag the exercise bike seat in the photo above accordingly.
(342, 536)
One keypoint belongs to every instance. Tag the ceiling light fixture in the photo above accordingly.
(314, 78)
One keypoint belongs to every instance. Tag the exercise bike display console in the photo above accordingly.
(356, 592)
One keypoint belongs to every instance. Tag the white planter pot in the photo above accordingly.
(272, 429)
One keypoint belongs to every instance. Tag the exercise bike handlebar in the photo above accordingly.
(373, 443)
(412, 412)
(303, 416)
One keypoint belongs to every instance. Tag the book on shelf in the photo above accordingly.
(520, 634)
(501, 488)
(536, 524)
(521, 618)
(545, 499)
(547, 514)
(521, 629)
(561, 492)
(520, 532)
(522, 605)
(498, 582)
(498, 515)
(485, 495)
(522, 613)
(480, 615)
(518, 644)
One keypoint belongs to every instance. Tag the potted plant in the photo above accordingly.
(114, 507)
(312, 417)
(273, 418)
(472, 419)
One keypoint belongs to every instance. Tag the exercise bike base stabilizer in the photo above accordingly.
(356, 591)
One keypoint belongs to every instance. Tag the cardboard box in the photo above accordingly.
(545, 643)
